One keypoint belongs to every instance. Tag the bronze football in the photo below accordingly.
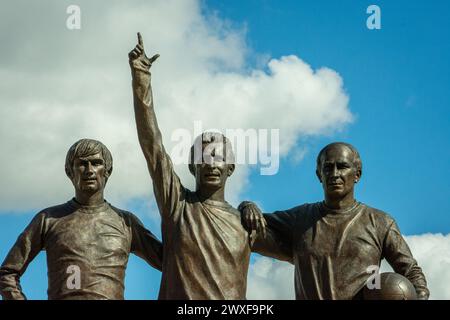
(393, 286)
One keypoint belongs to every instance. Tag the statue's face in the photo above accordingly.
(213, 172)
(89, 174)
(338, 173)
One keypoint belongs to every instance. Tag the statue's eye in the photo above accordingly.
(343, 166)
(82, 163)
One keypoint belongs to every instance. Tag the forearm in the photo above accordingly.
(15, 265)
(417, 278)
(273, 231)
(406, 265)
(27, 246)
(10, 288)
(166, 184)
(145, 244)
(277, 243)
(399, 256)
(273, 247)
(149, 135)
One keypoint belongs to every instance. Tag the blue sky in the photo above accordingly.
(397, 79)
(398, 82)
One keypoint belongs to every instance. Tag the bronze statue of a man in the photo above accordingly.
(334, 243)
(206, 249)
(85, 237)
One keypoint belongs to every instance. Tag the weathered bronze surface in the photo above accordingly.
(333, 243)
(85, 235)
(206, 248)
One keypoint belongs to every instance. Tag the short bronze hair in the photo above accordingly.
(206, 138)
(85, 148)
(356, 157)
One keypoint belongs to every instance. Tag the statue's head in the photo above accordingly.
(339, 167)
(88, 165)
(211, 160)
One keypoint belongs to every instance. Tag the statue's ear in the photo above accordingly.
(231, 168)
(358, 174)
(318, 175)
(68, 173)
(108, 173)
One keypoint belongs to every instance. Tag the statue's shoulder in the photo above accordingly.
(377, 214)
(305, 208)
(122, 213)
(128, 216)
(57, 211)
(304, 212)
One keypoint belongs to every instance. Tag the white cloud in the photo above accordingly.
(272, 279)
(59, 86)
(432, 252)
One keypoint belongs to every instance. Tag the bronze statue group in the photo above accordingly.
(206, 243)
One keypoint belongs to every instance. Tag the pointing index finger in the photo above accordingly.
(140, 41)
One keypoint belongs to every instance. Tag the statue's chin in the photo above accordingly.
(89, 189)
(211, 185)
(336, 194)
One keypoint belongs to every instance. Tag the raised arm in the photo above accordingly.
(166, 184)
(397, 253)
(27, 246)
(149, 134)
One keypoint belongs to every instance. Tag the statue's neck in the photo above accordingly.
(94, 199)
(340, 203)
(214, 195)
